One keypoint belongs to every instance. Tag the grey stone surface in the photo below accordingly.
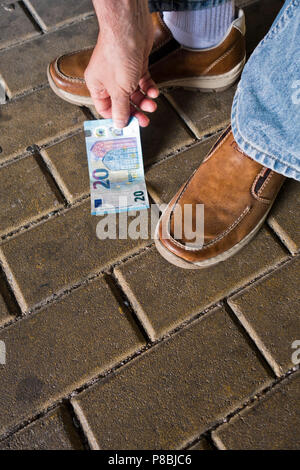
(184, 293)
(68, 163)
(8, 306)
(204, 113)
(58, 13)
(285, 215)
(269, 311)
(15, 26)
(25, 194)
(60, 253)
(5, 315)
(186, 384)
(60, 348)
(203, 444)
(158, 140)
(55, 431)
(43, 123)
(272, 423)
(37, 54)
(174, 392)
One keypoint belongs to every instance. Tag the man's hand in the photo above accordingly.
(117, 75)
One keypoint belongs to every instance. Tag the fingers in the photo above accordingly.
(148, 86)
(100, 97)
(120, 110)
(103, 107)
(144, 121)
(141, 117)
(141, 101)
(119, 107)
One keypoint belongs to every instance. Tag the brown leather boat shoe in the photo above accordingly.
(213, 69)
(237, 194)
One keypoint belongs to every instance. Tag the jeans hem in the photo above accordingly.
(259, 155)
(183, 5)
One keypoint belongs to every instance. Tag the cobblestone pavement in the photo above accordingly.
(107, 345)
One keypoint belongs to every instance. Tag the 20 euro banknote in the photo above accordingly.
(116, 167)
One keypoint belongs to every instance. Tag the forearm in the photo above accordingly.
(120, 17)
(118, 73)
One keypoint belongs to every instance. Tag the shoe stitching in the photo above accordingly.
(66, 77)
(160, 45)
(167, 30)
(204, 161)
(266, 182)
(207, 77)
(234, 224)
(257, 196)
(223, 56)
(217, 239)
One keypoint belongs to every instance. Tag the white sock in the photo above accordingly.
(200, 29)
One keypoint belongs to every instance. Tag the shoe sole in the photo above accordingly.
(70, 97)
(216, 83)
(181, 263)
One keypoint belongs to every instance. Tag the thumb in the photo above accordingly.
(120, 110)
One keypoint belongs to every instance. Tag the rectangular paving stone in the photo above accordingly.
(55, 351)
(15, 25)
(67, 161)
(166, 178)
(269, 311)
(55, 431)
(164, 295)
(175, 391)
(37, 54)
(203, 444)
(8, 306)
(204, 113)
(285, 216)
(26, 193)
(5, 315)
(165, 135)
(36, 119)
(60, 252)
(272, 423)
(57, 13)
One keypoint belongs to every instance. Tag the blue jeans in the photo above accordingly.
(182, 5)
(266, 107)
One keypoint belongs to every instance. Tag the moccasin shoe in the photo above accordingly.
(171, 64)
(236, 194)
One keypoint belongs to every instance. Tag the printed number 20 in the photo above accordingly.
(139, 196)
(100, 175)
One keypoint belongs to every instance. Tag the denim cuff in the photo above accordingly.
(182, 5)
(250, 148)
